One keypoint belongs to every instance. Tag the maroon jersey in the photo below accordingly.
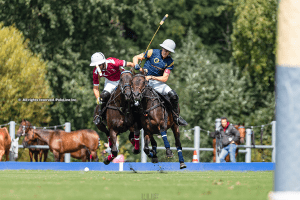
(112, 71)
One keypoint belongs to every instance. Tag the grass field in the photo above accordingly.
(40, 184)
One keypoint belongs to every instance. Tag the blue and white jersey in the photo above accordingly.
(155, 64)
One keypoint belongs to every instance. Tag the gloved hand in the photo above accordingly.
(99, 101)
(137, 67)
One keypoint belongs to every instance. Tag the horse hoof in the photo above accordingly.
(169, 153)
(154, 160)
(182, 166)
(136, 151)
(147, 150)
(106, 161)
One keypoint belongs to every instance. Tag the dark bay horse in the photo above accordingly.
(61, 142)
(36, 153)
(120, 116)
(242, 130)
(5, 142)
(155, 118)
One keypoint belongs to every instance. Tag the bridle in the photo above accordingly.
(145, 82)
(123, 88)
(24, 129)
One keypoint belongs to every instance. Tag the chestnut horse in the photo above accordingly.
(155, 118)
(5, 142)
(242, 130)
(61, 142)
(82, 154)
(120, 116)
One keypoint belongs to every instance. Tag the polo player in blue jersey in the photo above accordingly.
(159, 65)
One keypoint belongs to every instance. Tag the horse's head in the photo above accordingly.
(25, 126)
(139, 83)
(242, 130)
(125, 84)
(29, 138)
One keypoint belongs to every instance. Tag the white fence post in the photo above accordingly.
(67, 129)
(248, 144)
(217, 125)
(143, 154)
(12, 128)
(274, 141)
(197, 141)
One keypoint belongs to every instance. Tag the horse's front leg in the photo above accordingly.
(45, 155)
(93, 156)
(136, 139)
(176, 133)
(114, 149)
(61, 157)
(163, 133)
(154, 151)
(146, 146)
(35, 154)
(56, 155)
(103, 128)
(30, 155)
(7, 155)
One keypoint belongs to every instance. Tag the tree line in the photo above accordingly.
(224, 60)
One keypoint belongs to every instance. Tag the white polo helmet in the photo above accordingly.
(97, 59)
(169, 45)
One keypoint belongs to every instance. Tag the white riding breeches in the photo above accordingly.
(109, 86)
(160, 87)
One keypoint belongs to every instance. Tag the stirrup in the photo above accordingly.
(180, 121)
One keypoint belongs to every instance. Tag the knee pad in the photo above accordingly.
(104, 96)
(131, 135)
(173, 95)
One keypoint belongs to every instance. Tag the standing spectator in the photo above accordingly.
(229, 136)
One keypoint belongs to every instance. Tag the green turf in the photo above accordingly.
(39, 184)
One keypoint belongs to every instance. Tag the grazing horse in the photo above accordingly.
(120, 116)
(61, 142)
(5, 142)
(155, 117)
(242, 130)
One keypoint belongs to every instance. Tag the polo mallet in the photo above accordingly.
(161, 23)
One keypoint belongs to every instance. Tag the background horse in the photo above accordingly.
(5, 142)
(155, 118)
(61, 142)
(35, 152)
(242, 130)
(82, 154)
(120, 116)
